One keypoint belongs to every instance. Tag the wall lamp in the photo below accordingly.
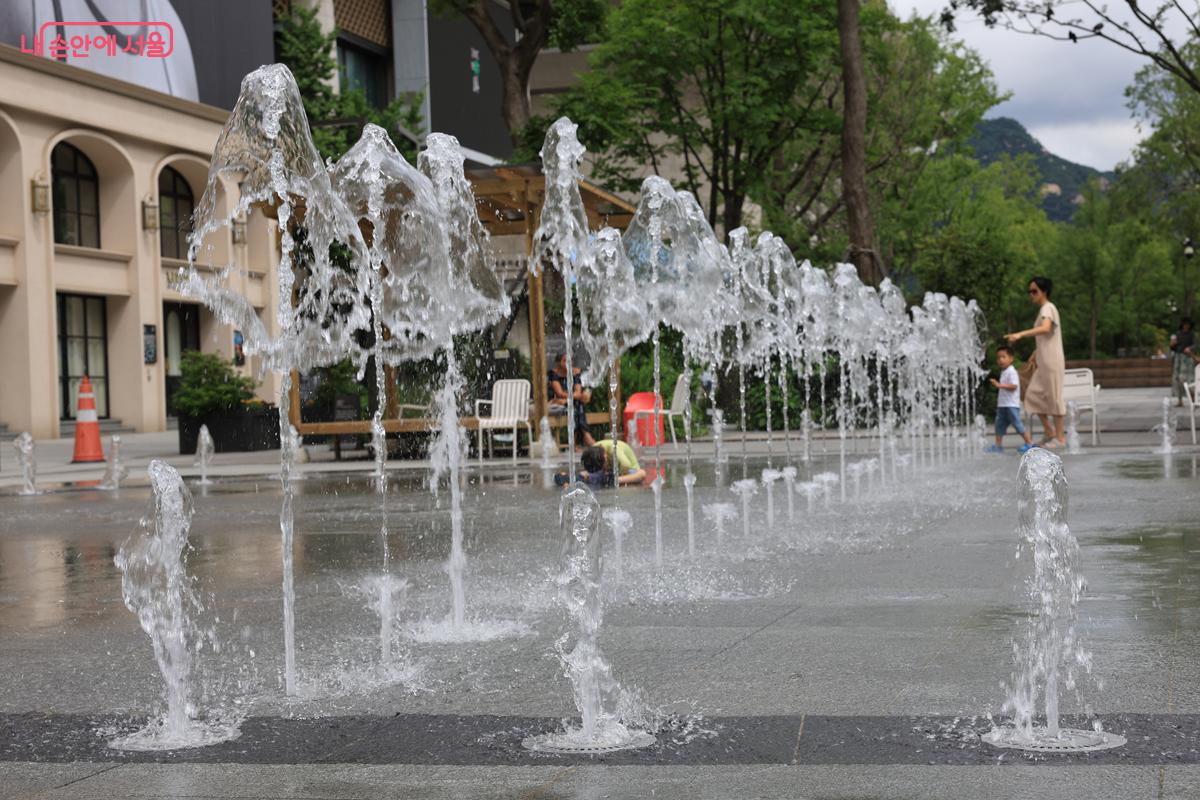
(239, 229)
(40, 195)
(149, 214)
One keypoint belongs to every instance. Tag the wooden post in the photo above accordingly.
(294, 403)
(391, 405)
(537, 320)
(620, 404)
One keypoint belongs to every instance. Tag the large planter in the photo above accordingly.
(254, 429)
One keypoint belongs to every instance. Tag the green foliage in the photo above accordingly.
(925, 94)
(576, 22)
(720, 85)
(308, 53)
(339, 379)
(1117, 273)
(209, 385)
(972, 231)
(1161, 186)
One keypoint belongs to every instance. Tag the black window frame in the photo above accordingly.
(70, 180)
(67, 413)
(368, 52)
(174, 227)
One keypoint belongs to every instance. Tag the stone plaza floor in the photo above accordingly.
(853, 652)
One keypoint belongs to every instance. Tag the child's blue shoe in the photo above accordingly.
(1025, 448)
(991, 448)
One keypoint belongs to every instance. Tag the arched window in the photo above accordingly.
(175, 207)
(76, 197)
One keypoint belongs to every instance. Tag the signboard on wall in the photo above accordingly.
(185, 48)
(149, 344)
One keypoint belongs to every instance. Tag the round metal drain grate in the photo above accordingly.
(1069, 740)
(567, 744)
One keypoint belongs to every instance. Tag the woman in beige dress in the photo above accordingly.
(1044, 395)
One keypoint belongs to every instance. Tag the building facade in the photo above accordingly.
(98, 179)
(104, 157)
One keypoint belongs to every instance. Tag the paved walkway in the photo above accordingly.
(853, 654)
(1127, 419)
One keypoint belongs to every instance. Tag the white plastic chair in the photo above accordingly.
(1080, 385)
(509, 409)
(1189, 396)
(679, 402)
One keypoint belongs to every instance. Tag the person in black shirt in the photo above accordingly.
(1182, 343)
(557, 383)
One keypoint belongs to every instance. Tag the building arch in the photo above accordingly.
(12, 183)
(117, 197)
(216, 248)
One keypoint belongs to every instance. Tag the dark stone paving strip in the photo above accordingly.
(1152, 739)
(496, 741)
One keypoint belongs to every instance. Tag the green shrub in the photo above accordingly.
(209, 385)
(338, 379)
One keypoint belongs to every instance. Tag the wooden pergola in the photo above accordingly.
(509, 202)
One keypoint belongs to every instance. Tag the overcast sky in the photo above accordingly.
(1069, 96)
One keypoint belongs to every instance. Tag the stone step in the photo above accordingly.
(66, 428)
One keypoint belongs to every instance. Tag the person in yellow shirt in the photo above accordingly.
(598, 458)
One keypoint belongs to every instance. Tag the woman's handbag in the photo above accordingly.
(1025, 373)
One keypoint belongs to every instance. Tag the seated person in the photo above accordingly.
(556, 381)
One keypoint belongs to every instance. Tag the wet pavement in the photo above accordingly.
(848, 653)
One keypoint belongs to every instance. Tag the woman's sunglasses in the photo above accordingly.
(1035, 290)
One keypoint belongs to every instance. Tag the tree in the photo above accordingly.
(925, 95)
(1145, 31)
(1114, 274)
(337, 119)
(1165, 175)
(863, 251)
(537, 23)
(712, 89)
(972, 231)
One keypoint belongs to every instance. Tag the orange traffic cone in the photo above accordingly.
(87, 426)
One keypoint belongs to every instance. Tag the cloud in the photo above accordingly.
(1071, 96)
(1096, 143)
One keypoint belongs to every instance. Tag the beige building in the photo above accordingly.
(98, 178)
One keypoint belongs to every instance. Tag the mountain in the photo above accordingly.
(1062, 181)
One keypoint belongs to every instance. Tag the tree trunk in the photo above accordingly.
(1093, 325)
(514, 98)
(731, 212)
(863, 253)
(1189, 295)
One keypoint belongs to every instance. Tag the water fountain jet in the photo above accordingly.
(1049, 654)
(27, 460)
(204, 454)
(156, 586)
(115, 471)
(604, 705)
